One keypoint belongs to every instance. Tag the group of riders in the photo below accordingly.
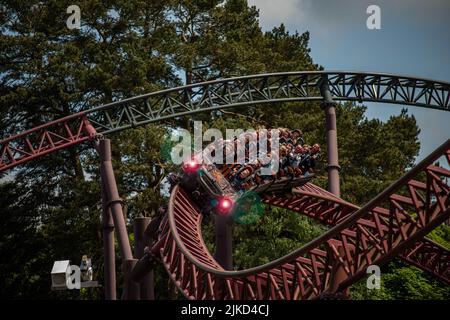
(294, 158)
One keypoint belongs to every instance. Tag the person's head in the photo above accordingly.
(315, 148)
(298, 149)
(283, 151)
(306, 148)
(245, 173)
(280, 132)
(296, 133)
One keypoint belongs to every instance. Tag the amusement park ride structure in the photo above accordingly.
(393, 224)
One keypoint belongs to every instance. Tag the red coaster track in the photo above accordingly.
(393, 223)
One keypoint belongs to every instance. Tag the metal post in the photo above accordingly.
(224, 242)
(108, 248)
(332, 145)
(115, 204)
(142, 240)
(131, 289)
(338, 273)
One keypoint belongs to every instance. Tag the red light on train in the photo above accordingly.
(191, 166)
(224, 205)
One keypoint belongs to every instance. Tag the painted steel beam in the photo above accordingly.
(220, 94)
(330, 210)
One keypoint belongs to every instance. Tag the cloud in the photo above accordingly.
(415, 40)
(327, 17)
(274, 13)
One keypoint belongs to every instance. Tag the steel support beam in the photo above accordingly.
(108, 248)
(332, 145)
(103, 147)
(130, 289)
(141, 241)
(337, 275)
(224, 241)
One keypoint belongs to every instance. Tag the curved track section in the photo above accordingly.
(387, 226)
(328, 209)
(221, 94)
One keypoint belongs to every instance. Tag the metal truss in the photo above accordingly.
(44, 139)
(390, 224)
(226, 93)
(328, 209)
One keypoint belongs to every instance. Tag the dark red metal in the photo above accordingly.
(372, 234)
(50, 137)
(328, 209)
(224, 241)
(220, 94)
(114, 201)
(131, 289)
(332, 144)
(389, 225)
(109, 271)
(141, 240)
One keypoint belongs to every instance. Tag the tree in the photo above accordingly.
(48, 72)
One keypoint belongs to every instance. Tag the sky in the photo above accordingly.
(414, 39)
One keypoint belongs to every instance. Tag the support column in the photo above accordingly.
(115, 204)
(332, 145)
(130, 289)
(224, 242)
(108, 248)
(142, 240)
(338, 273)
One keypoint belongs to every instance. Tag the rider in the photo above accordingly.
(243, 176)
(284, 160)
(295, 159)
(297, 137)
(308, 162)
(285, 136)
(315, 155)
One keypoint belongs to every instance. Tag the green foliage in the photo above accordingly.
(402, 282)
(276, 234)
(441, 235)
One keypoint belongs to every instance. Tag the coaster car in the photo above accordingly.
(213, 192)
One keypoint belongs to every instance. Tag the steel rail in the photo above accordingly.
(328, 209)
(226, 93)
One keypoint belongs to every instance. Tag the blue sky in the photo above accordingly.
(414, 40)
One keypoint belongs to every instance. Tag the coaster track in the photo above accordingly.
(393, 223)
(221, 94)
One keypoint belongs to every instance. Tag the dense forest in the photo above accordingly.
(50, 209)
